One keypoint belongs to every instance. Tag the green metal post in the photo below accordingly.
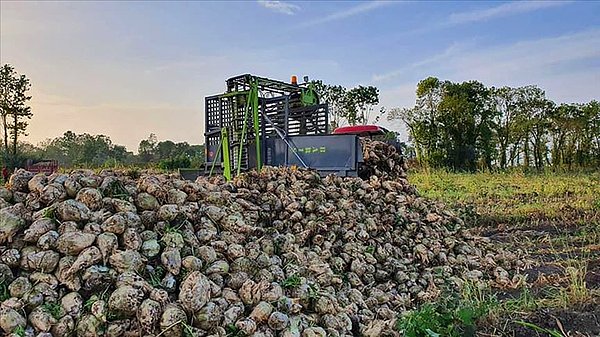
(244, 132)
(226, 163)
(212, 166)
(254, 91)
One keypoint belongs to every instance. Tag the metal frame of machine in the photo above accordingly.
(260, 121)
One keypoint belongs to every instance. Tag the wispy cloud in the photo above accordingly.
(507, 9)
(487, 14)
(560, 65)
(529, 60)
(348, 12)
(452, 50)
(280, 6)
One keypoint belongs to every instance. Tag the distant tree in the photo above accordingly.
(147, 148)
(422, 121)
(196, 155)
(180, 161)
(353, 106)
(451, 124)
(334, 95)
(86, 150)
(535, 110)
(592, 111)
(588, 125)
(562, 120)
(359, 103)
(167, 149)
(167, 154)
(505, 101)
(14, 110)
(468, 125)
(574, 133)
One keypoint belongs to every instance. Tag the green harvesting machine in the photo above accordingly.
(259, 121)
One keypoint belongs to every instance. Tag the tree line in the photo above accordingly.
(85, 150)
(462, 126)
(78, 150)
(469, 126)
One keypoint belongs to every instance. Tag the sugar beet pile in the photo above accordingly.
(282, 252)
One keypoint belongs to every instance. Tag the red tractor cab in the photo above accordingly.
(47, 166)
(374, 132)
(361, 130)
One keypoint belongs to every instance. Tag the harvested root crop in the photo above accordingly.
(282, 252)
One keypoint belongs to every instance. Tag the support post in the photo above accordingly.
(226, 163)
(256, 114)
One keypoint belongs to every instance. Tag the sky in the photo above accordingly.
(130, 68)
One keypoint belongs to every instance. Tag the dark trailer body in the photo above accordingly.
(259, 121)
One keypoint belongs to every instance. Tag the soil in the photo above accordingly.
(544, 271)
(584, 321)
(579, 321)
(592, 278)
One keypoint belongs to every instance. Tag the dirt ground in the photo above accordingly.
(572, 322)
(553, 248)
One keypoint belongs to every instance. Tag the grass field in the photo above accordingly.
(515, 197)
(555, 218)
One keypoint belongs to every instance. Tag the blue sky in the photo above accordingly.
(126, 69)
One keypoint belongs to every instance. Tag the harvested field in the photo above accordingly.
(555, 218)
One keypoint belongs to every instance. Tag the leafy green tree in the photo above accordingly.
(451, 124)
(574, 133)
(180, 161)
(592, 112)
(535, 110)
(167, 154)
(505, 101)
(422, 121)
(353, 106)
(85, 150)
(467, 124)
(334, 95)
(560, 129)
(359, 103)
(147, 148)
(588, 124)
(166, 149)
(14, 110)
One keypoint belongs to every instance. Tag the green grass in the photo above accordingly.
(549, 332)
(116, 189)
(4, 293)
(452, 315)
(87, 306)
(19, 331)
(514, 196)
(173, 229)
(525, 302)
(50, 213)
(291, 282)
(572, 289)
(188, 331)
(155, 277)
(55, 309)
(233, 331)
